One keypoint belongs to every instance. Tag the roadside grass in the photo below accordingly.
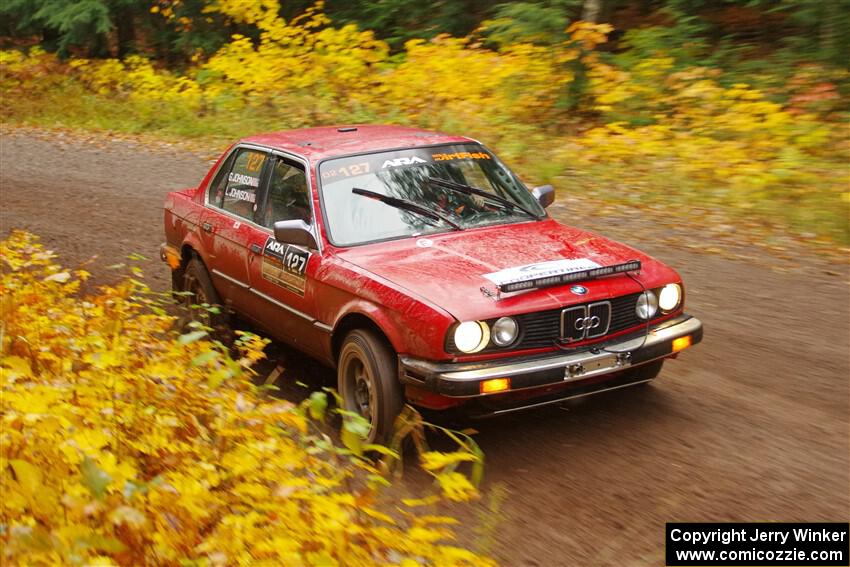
(818, 218)
(72, 106)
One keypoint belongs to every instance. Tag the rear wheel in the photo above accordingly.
(368, 382)
(199, 297)
(177, 283)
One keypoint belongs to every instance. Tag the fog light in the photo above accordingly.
(495, 385)
(681, 343)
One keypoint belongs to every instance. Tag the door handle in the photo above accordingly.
(256, 249)
(207, 227)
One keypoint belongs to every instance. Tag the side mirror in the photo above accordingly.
(295, 232)
(545, 195)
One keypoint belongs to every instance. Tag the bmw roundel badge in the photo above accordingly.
(578, 289)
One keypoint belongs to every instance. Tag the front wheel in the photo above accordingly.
(368, 382)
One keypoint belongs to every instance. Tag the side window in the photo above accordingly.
(243, 182)
(215, 194)
(288, 197)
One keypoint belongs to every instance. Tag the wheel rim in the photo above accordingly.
(359, 388)
(195, 296)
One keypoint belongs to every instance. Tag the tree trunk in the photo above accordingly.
(591, 11)
(125, 26)
(828, 29)
(99, 47)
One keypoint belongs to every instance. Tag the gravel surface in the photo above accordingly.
(751, 425)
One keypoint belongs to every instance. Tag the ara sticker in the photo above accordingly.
(402, 161)
(285, 265)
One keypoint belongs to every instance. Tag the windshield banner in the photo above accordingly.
(365, 164)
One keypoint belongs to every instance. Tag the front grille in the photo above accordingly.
(571, 321)
(543, 328)
(585, 321)
(600, 316)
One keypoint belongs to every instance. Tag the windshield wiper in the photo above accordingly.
(469, 190)
(407, 206)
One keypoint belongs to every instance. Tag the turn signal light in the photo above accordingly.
(495, 385)
(681, 343)
(172, 257)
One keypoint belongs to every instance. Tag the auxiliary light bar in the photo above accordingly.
(561, 279)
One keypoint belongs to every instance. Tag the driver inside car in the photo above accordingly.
(287, 195)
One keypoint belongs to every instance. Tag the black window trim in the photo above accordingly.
(264, 199)
(223, 169)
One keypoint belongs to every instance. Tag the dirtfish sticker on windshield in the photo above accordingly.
(460, 155)
(285, 265)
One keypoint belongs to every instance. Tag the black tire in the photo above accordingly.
(647, 371)
(198, 290)
(368, 382)
(177, 283)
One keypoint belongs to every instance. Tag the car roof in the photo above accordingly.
(331, 141)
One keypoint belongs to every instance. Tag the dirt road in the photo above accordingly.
(751, 425)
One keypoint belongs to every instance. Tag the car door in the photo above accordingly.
(232, 205)
(282, 275)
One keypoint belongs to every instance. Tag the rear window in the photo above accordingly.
(236, 188)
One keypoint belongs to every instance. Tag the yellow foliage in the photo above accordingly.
(117, 448)
(137, 79)
(732, 139)
(302, 54)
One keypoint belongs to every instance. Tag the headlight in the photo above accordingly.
(472, 336)
(647, 305)
(670, 297)
(504, 331)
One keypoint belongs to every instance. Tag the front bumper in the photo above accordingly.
(463, 379)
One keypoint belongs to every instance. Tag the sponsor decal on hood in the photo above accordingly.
(540, 270)
(556, 272)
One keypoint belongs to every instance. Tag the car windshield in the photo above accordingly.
(424, 176)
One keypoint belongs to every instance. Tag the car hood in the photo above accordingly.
(449, 269)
